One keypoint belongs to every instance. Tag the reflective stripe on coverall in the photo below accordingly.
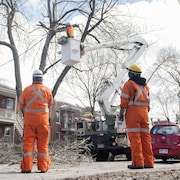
(135, 99)
(35, 102)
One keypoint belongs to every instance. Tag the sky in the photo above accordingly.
(159, 20)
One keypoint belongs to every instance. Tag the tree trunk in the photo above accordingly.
(60, 79)
(17, 73)
(15, 55)
(45, 50)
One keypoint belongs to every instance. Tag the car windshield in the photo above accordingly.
(166, 130)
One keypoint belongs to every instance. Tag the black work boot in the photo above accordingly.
(26, 172)
(42, 171)
(148, 166)
(135, 167)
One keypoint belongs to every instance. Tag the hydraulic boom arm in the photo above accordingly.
(106, 98)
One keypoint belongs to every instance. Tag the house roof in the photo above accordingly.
(7, 91)
(67, 106)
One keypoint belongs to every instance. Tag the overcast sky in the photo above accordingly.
(158, 18)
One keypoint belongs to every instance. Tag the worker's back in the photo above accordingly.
(36, 100)
(39, 95)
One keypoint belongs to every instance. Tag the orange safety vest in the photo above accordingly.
(134, 95)
(36, 99)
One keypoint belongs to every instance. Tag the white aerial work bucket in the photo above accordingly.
(71, 52)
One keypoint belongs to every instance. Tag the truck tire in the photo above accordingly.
(164, 159)
(128, 156)
(111, 157)
(102, 156)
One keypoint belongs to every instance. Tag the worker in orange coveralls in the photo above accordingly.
(70, 31)
(35, 103)
(135, 107)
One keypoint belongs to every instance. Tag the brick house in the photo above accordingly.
(7, 113)
(64, 123)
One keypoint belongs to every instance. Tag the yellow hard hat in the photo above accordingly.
(135, 68)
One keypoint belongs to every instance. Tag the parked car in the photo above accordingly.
(166, 140)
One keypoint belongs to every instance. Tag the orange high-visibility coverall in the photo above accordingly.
(35, 102)
(135, 99)
(70, 31)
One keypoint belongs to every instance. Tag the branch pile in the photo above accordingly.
(59, 153)
(9, 154)
(69, 154)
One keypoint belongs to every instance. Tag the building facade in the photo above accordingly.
(64, 123)
(7, 113)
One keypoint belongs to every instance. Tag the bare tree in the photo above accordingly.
(170, 65)
(168, 77)
(58, 14)
(90, 78)
(10, 9)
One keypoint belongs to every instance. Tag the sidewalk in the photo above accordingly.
(95, 171)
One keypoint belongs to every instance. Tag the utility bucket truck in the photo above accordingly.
(107, 137)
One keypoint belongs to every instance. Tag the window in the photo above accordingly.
(58, 135)
(57, 117)
(7, 102)
(155, 129)
(79, 125)
(7, 131)
(168, 130)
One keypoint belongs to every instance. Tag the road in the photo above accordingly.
(95, 171)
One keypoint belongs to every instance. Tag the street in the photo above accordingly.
(96, 170)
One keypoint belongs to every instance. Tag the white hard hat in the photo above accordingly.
(37, 73)
(37, 76)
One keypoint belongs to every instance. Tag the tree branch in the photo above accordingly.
(50, 35)
(94, 37)
(93, 27)
(92, 7)
(59, 80)
(45, 71)
(49, 11)
(6, 6)
(66, 13)
(43, 25)
(6, 44)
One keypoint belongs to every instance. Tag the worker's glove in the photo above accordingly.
(82, 51)
(50, 122)
(62, 40)
(121, 117)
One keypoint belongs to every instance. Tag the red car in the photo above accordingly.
(166, 140)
